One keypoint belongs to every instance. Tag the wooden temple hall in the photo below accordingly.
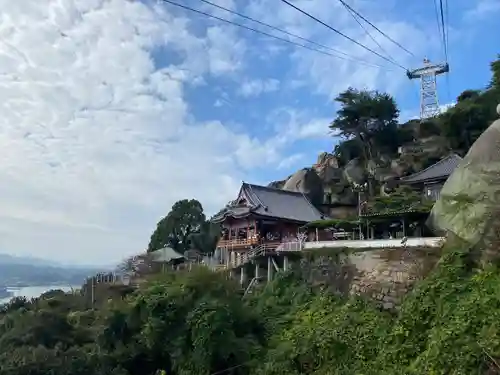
(261, 218)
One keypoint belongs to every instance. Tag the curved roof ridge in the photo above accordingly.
(253, 194)
(274, 189)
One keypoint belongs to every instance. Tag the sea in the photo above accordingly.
(36, 291)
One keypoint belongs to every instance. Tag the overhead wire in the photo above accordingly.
(270, 35)
(341, 33)
(280, 30)
(438, 23)
(442, 25)
(355, 18)
(447, 25)
(375, 27)
(443, 28)
(447, 17)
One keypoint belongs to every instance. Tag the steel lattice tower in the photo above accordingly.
(429, 105)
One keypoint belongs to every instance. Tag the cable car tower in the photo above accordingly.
(429, 105)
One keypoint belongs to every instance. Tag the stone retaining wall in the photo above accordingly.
(384, 275)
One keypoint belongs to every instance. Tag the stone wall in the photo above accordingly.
(384, 275)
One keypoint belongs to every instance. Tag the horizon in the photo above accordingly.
(56, 264)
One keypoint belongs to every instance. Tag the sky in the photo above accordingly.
(111, 110)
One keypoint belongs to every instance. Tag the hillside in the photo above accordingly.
(27, 271)
(11, 259)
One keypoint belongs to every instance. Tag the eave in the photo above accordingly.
(435, 180)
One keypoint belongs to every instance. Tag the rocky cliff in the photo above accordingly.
(331, 186)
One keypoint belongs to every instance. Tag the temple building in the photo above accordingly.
(262, 216)
(431, 179)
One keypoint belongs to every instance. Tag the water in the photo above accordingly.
(35, 291)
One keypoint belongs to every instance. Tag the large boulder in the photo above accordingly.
(308, 182)
(278, 184)
(469, 206)
(355, 172)
(336, 188)
(327, 168)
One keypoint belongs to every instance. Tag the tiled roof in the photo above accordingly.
(274, 203)
(441, 170)
(165, 254)
(402, 211)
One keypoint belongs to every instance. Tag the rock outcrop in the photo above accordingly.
(308, 182)
(330, 186)
(469, 206)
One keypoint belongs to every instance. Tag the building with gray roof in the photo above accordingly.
(272, 203)
(431, 179)
(262, 215)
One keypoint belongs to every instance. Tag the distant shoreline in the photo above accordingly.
(34, 291)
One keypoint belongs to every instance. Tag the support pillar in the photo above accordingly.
(257, 270)
(285, 263)
(242, 276)
(233, 258)
(269, 269)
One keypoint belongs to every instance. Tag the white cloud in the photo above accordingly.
(482, 9)
(291, 124)
(256, 87)
(97, 139)
(290, 161)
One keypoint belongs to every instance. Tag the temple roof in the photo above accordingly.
(439, 171)
(270, 202)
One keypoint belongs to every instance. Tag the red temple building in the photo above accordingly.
(262, 217)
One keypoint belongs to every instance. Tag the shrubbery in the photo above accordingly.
(198, 323)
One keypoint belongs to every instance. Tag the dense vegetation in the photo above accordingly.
(197, 322)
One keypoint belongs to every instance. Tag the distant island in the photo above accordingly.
(4, 293)
(23, 272)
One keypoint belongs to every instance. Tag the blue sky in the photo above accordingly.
(469, 57)
(112, 110)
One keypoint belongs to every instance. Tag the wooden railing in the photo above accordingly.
(238, 242)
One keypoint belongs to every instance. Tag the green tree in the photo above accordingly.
(205, 240)
(196, 323)
(370, 117)
(428, 128)
(347, 150)
(185, 218)
(464, 123)
(468, 94)
(495, 69)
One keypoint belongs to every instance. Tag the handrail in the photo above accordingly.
(290, 246)
(246, 257)
(238, 242)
